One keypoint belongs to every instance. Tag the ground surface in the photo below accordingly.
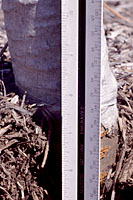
(119, 35)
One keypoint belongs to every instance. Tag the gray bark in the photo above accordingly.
(33, 30)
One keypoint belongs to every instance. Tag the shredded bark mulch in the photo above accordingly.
(23, 148)
(119, 34)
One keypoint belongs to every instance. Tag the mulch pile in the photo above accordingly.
(119, 35)
(23, 148)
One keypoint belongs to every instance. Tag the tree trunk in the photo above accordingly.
(34, 35)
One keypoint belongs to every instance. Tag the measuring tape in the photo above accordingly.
(81, 61)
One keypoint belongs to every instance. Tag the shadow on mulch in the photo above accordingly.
(50, 176)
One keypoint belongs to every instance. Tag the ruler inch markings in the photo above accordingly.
(69, 63)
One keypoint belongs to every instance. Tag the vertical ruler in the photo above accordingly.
(69, 63)
(92, 99)
(81, 114)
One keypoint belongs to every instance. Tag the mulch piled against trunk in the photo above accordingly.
(26, 170)
(119, 34)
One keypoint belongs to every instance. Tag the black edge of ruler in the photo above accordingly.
(81, 99)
